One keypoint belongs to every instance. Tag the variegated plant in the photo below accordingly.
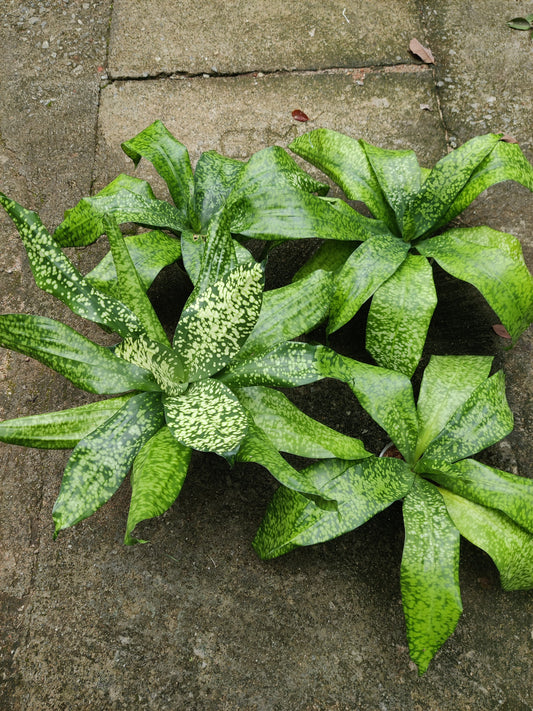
(412, 206)
(445, 493)
(207, 391)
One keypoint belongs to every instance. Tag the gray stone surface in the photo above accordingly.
(194, 620)
(151, 37)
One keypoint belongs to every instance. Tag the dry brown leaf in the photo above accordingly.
(424, 53)
(300, 116)
(501, 330)
(508, 139)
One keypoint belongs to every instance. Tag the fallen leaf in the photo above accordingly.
(424, 53)
(501, 330)
(300, 116)
(519, 23)
(508, 139)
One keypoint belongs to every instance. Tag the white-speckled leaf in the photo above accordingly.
(164, 363)
(207, 417)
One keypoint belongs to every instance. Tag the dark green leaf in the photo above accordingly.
(400, 314)
(56, 275)
(207, 417)
(509, 545)
(361, 491)
(102, 459)
(490, 487)
(330, 256)
(214, 178)
(363, 273)
(447, 383)
(290, 430)
(430, 573)
(149, 252)
(343, 159)
(217, 321)
(493, 263)
(193, 247)
(482, 420)
(62, 429)
(171, 160)
(89, 366)
(159, 471)
(129, 286)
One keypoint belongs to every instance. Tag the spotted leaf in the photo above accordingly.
(215, 176)
(160, 360)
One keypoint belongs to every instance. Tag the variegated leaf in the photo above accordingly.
(149, 252)
(89, 366)
(510, 546)
(193, 248)
(361, 491)
(490, 487)
(207, 417)
(482, 420)
(330, 256)
(102, 459)
(159, 471)
(429, 573)
(365, 270)
(62, 429)
(217, 321)
(56, 275)
(494, 265)
(387, 396)
(288, 365)
(288, 312)
(291, 430)
(215, 176)
(129, 287)
(343, 159)
(163, 362)
(447, 383)
(400, 314)
(171, 160)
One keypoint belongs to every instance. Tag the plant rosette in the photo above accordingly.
(445, 493)
(210, 390)
(412, 207)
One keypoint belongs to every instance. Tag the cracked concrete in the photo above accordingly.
(194, 620)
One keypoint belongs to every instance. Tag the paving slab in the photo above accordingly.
(154, 37)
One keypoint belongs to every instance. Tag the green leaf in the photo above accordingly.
(493, 263)
(361, 491)
(519, 23)
(214, 178)
(258, 449)
(368, 267)
(400, 314)
(62, 429)
(443, 185)
(160, 360)
(193, 248)
(287, 213)
(129, 286)
(89, 366)
(171, 160)
(288, 312)
(509, 545)
(102, 459)
(83, 224)
(344, 160)
(330, 256)
(429, 573)
(159, 471)
(149, 252)
(398, 174)
(447, 383)
(387, 396)
(207, 417)
(287, 365)
(505, 162)
(56, 275)
(482, 420)
(490, 487)
(219, 257)
(217, 321)
(290, 430)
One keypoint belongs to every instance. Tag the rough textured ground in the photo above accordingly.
(194, 620)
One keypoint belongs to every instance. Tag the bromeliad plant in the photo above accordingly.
(445, 493)
(209, 390)
(412, 207)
